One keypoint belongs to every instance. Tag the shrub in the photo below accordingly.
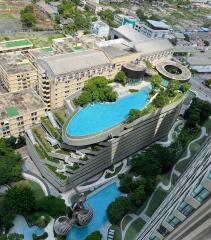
(94, 236)
(120, 77)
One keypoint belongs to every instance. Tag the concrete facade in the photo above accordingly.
(185, 212)
(132, 138)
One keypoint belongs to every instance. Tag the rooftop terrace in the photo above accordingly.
(42, 52)
(19, 103)
(14, 63)
(15, 44)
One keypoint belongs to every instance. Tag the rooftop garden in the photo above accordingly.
(96, 89)
(154, 163)
(164, 96)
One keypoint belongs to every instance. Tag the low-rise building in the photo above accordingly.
(15, 45)
(16, 72)
(19, 111)
(200, 62)
(154, 29)
(100, 28)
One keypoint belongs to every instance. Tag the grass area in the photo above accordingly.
(117, 234)
(53, 131)
(75, 166)
(60, 115)
(55, 35)
(174, 179)
(156, 200)
(125, 221)
(39, 134)
(35, 187)
(7, 16)
(59, 175)
(134, 229)
(117, 170)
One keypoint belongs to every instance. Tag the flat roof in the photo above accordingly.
(15, 62)
(42, 52)
(13, 44)
(153, 46)
(200, 59)
(73, 62)
(158, 24)
(19, 103)
(130, 34)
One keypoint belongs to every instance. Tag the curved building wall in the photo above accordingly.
(134, 137)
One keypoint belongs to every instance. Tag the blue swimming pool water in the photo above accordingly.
(102, 116)
(21, 227)
(99, 202)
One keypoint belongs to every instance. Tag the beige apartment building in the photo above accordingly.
(16, 72)
(19, 111)
(62, 75)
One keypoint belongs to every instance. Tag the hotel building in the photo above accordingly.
(19, 111)
(16, 72)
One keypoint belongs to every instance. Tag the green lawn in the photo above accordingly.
(35, 187)
(134, 229)
(156, 200)
(125, 221)
(7, 16)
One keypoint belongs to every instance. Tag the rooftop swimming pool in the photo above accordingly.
(99, 117)
(99, 202)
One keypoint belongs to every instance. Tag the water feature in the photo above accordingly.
(21, 227)
(99, 201)
(99, 117)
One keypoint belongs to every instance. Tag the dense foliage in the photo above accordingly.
(108, 16)
(96, 89)
(21, 200)
(10, 163)
(94, 236)
(27, 16)
(155, 162)
(80, 20)
(11, 236)
(120, 77)
(117, 209)
(164, 97)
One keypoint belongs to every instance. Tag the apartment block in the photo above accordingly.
(185, 212)
(19, 111)
(16, 72)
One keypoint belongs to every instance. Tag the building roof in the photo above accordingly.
(15, 44)
(19, 103)
(130, 34)
(200, 59)
(158, 24)
(153, 45)
(15, 62)
(73, 62)
(42, 52)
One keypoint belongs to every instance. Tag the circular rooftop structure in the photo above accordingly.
(62, 225)
(173, 71)
(134, 71)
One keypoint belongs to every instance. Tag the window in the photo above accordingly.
(162, 230)
(185, 208)
(153, 237)
(200, 193)
(209, 175)
(173, 221)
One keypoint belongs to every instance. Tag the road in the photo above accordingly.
(201, 90)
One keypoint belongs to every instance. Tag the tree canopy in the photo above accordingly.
(27, 16)
(96, 89)
(120, 77)
(11, 236)
(10, 163)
